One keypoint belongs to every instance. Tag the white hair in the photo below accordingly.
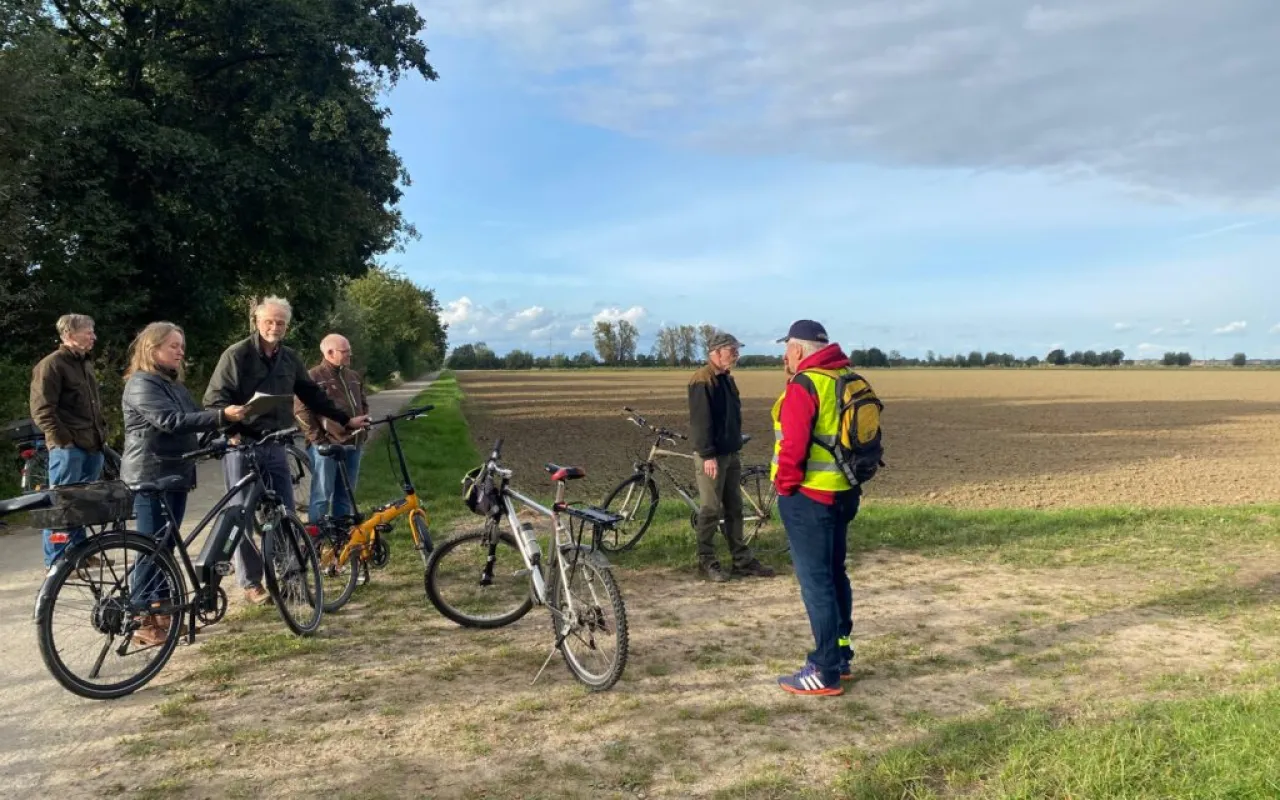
(807, 347)
(275, 301)
(71, 324)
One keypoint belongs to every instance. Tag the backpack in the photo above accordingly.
(859, 451)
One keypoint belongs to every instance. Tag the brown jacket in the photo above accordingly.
(345, 387)
(65, 402)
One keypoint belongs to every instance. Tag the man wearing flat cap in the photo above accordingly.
(715, 416)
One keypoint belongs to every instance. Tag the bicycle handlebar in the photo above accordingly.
(221, 446)
(410, 413)
(644, 423)
(496, 453)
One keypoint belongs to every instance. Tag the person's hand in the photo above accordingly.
(233, 413)
(710, 467)
(357, 423)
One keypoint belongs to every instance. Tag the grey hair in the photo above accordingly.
(275, 301)
(807, 347)
(70, 323)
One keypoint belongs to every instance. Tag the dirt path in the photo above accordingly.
(39, 720)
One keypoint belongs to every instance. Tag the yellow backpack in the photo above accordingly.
(859, 450)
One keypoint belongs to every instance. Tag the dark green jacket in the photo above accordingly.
(65, 403)
(715, 413)
(244, 370)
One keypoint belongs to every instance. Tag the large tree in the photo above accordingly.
(203, 153)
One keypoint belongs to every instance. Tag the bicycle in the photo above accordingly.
(33, 456)
(154, 591)
(354, 542)
(758, 492)
(504, 592)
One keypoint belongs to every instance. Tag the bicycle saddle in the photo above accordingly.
(25, 502)
(168, 483)
(559, 473)
(331, 450)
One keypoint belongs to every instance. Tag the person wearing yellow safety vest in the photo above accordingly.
(816, 503)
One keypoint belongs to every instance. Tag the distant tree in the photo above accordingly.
(584, 359)
(606, 340)
(1033, 361)
(1239, 360)
(975, 358)
(518, 359)
(930, 357)
(1170, 359)
(667, 346)
(1057, 357)
(627, 336)
(896, 359)
(991, 359)
(1117, 357)
(1184, 359)
(1076, 357)
(486, 358)
(705, 334)
(877, 358)
(1090, 358)
(462, 357)
(688, 341)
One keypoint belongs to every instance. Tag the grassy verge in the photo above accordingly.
(1214, 747)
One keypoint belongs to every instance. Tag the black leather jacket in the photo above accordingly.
(160, 424)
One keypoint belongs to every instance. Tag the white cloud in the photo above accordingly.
(634, 315)
(1004, 84)
(1275, 328)
(1123, 326)
(1231, 327)
(534, 317)
(1147, 347)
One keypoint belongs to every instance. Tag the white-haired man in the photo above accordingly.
(262, 363)
(67, 408)
(345, 387)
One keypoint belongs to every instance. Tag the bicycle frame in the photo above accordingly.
(653, 463)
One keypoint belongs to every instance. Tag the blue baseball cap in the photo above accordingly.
(806, 329)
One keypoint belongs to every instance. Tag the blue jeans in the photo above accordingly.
(274, 465)
(817, 535)
(68, 465)
(146, 586)
(327, 490)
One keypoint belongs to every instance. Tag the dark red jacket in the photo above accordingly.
(799, 407)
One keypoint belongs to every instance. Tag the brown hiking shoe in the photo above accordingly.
(712, 571)
(257, 595)
(753, 569)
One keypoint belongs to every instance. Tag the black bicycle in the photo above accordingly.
(121, 593)
(33, 455)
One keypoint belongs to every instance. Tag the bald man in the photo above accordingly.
(345, 387)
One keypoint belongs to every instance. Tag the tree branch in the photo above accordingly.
(237, 61)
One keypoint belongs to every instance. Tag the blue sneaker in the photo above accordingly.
(809, 681)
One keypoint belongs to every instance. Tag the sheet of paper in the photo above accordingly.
(261, 403)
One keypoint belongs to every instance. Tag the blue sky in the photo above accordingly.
(579, 161)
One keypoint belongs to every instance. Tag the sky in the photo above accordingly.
(947, 175)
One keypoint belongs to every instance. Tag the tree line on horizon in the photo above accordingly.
(687, 346)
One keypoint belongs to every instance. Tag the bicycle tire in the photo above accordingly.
(598, 564)
(334, 601)
(620, 489)
(420, 529)
(754, 474)
(47, 604)
(431, 579)
(290, 535)
(300, 477)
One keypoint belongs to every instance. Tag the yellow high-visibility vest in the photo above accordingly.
(821, 471)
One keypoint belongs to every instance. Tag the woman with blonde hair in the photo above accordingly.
(161, 422)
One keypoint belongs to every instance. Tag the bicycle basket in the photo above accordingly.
(481, 496)
(80, 504)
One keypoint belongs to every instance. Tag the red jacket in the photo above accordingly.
(799, 406)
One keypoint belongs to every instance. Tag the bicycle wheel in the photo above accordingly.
(339, 579)
(595, 628)
(758, 490)
(421, 530)
(292, 573)
(87, 621)
(628, 499)
(478, 579)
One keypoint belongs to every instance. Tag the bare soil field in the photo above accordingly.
(962, 438)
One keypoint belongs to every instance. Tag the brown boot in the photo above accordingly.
(150, 634)
(256, 595)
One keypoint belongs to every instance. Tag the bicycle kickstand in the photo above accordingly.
(560, 637)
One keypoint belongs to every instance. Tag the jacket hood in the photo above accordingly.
(829, 357)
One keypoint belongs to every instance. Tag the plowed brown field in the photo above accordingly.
(981, 438)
